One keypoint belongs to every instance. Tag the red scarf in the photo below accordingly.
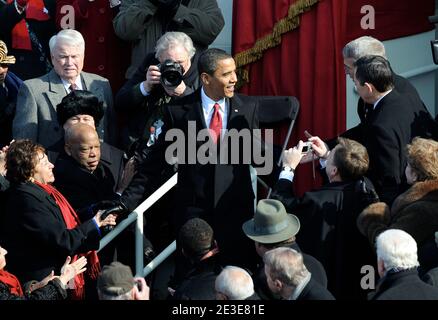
(12, 282)
(71, 220)
(20, 33)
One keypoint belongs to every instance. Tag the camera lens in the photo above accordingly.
(171, 73)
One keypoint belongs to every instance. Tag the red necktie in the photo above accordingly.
(216, 123)
(73, 87)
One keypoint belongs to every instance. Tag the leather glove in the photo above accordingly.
(114, 207)
(117, 209)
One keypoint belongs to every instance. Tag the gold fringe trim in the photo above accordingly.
(287, 24)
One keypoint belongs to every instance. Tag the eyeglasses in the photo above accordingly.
(4, 65)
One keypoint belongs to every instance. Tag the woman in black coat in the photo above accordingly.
(39, 227)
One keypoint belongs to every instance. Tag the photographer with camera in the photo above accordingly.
(142, 22)
(166, 74)
(328, 215)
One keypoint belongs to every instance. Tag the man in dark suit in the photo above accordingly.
(366, 45)
(81, 106)
(389, 125)
(217, 191)
(9, 85)
(85, 180)
(397, 264)
(328, 214)
(80, 174)
(200, 252)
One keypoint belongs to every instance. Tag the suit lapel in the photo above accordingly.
(196, 113)
(87, 83)
(381, 105)
(234, 105)
(56, 89)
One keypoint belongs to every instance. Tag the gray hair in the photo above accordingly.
(364, 46)
(286, 265)
(235, 283)
(125, 296)
(70, 37)
(174, 39)
(397, 249)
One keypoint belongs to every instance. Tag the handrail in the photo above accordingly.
(137, 214)
(160, 258)
(116, 231)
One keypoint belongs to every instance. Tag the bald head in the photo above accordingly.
(234, 283)
(82, 144)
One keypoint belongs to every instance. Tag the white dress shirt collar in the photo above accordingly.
(67, 84)
(383, 96)
(208, 109)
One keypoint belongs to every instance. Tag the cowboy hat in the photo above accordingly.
(4, 58)
(271, 223)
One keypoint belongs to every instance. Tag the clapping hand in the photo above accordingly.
(71, 270)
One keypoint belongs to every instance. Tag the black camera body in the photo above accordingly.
(171, 73)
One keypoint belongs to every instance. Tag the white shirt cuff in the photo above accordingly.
(143, 90)
(288, 175)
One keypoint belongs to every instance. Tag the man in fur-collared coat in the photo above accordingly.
(414, 211)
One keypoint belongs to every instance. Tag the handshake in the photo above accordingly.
(114, 207)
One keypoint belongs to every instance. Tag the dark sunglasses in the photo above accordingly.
(4, 65)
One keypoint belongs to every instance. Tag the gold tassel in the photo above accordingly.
(285, 25)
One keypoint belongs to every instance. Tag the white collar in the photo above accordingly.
(383, 96)
(67, 84)
(208, 103)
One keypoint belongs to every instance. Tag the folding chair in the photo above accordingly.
(274, 112)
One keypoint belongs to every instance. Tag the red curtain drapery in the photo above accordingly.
(394, 18)
(306, 65)
(307, 61)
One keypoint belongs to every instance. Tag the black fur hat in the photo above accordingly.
(79, 102)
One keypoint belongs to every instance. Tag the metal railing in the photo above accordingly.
(137, 215)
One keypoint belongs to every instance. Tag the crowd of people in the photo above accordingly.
(87, 107)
